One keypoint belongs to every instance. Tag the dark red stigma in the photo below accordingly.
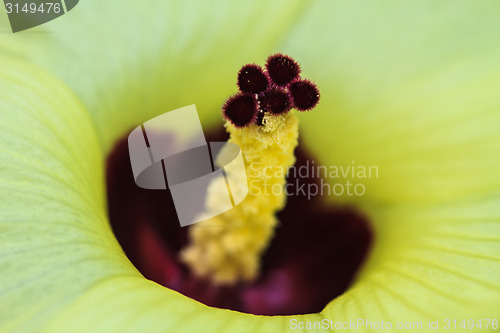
(282, 69)
(240, 110)
(305, 95)
(275, 100)
(276, 90)
(252, 80)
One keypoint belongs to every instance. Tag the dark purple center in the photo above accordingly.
(315, 253)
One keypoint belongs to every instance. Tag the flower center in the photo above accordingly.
(313, 257)
(266, 255)
(227, 247)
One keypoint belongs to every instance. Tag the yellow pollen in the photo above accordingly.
(227, 248)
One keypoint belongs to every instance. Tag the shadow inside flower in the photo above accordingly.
(313, 257)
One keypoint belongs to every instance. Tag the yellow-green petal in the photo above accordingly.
(414, 89)
(54, 241)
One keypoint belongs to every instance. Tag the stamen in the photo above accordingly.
(260, 118)
(227, 248)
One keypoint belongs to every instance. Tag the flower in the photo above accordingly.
(409, 87)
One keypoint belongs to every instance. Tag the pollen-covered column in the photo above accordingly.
(227, 248)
